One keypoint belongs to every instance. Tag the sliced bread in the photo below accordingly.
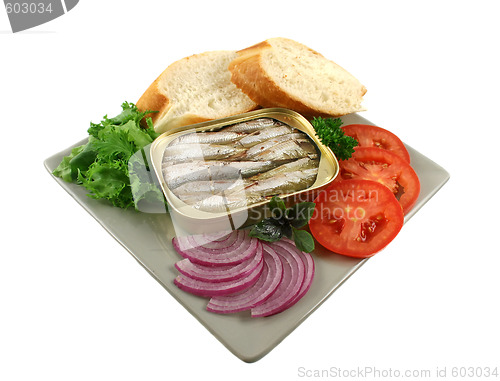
(195, 89)
(280, 72)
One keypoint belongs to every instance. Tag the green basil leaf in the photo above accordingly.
(300, 214)
(267, 230)
(277, 207)
(303, 240)
(287, 230)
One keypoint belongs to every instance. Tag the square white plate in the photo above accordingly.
(148, 236)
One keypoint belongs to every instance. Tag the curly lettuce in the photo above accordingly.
(113, 164)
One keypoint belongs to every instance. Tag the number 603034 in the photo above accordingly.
(25, 8)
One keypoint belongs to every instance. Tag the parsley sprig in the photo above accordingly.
(332, 136)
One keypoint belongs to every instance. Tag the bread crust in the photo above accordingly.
(248, 74)
(153, 100)
(247, 65)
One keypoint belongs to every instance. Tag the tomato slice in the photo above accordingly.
(373, 136)
(356, 218)
(385, 167)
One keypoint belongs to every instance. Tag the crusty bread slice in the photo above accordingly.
(280, 72)
(195, 89)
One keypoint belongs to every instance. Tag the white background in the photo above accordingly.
(76, 306)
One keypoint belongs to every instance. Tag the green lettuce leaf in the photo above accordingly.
(64, 169)
(102, 165)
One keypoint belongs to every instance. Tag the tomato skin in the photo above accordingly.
(356, 218)
(373, 136)
(380, 165)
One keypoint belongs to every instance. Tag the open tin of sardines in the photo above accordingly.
(219, 175)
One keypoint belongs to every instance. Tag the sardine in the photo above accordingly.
(252, 168)
(193, 198)
(186, 152)
(220, 203)
(284, 183)
(218, 137)
(253, 125)
(258, 148)
(177, 174)
(239, 165)
(288, 149)
(296, 165)
(263, 135)
(211, 187)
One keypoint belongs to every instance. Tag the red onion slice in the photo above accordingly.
(201, 288)
(240, 273)
(209, 242)
(308, 261)
(220, 273)
(223, 256)
(293, 277)
(265, 286)
(212, 241)
(235, 240)
(211, 237)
